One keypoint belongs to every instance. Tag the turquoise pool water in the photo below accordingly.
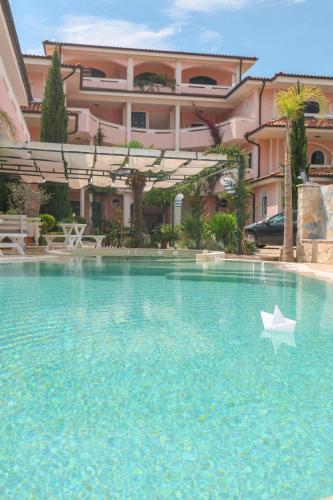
(152, 380)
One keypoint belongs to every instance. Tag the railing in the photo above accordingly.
(158, 138)
(90, 82)
(233, 129)
(88, 123)
(194, 137)
(194, 88)
(104, 83)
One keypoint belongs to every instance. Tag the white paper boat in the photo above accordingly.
(276, 322)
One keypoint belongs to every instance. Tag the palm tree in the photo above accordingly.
(7, 125)
(290, 105)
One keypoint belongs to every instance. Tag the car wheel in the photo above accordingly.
(252, 238)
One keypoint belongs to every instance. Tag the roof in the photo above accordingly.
(16, 45)
(49, 58)
(314, 172)
(157, 51)
(310, 122)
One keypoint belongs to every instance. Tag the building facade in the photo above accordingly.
(14, 86)
(163, 99)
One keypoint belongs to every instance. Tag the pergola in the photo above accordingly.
(110, 167)
(101, 166)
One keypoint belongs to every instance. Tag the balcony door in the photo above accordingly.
(139, 119)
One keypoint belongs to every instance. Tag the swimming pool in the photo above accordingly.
(151, 379)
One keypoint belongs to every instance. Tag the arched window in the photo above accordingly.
(203, 80)
(93, 72)
(312, 107)
(145, 77)
(317, 158)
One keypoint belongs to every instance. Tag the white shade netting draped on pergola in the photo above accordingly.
(101, 166)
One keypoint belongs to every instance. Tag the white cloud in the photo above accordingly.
(117, 32)
(179, 7)
(209, 36)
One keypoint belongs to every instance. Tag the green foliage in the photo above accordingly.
(99, 137)
(151, 82)
(5, 181)
(58, 204)
(54, 129)
(77, 219)
(167, 234)
(134, 144)
(25, 199)
(222, 227)
(54, 115)
(48, 223)
(7, 125)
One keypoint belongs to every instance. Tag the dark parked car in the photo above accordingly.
(270, 231)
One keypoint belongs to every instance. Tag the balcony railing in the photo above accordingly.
(191, 88)
(104, 83)
(185, 88)
(194, 137)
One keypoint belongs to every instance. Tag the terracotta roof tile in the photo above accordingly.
(160, 51)
(33, 107)
(64, 65)
(314, 172)
(309, 122)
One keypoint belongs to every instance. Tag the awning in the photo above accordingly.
(102, 166)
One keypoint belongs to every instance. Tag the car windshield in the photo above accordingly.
(277, 219)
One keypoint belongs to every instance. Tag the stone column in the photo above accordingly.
(177, 127)
(128, 121)
(310, 220)
(127, 201)
(130, 73)
(178, 77)
(82, 200)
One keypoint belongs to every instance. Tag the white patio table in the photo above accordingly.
(73, 234)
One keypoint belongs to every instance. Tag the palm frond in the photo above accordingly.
(290, 103)
(7, 125)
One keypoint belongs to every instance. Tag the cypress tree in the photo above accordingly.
(298, 152)
(54, 129)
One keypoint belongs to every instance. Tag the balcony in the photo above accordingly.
(88, 125)
(89, 82)
(160, 139)
(209, 90)
(190, 138)
(232, 130)
(95, 83)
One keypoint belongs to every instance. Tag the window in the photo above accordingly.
(139, 119)
(249, 156)
(146, 77)
(194, 125)
(312, 107)
(203, 80)
(264, 205)
(277, 219)
(93, 72)
(317, 158)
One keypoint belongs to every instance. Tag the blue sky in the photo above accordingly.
(286, 35)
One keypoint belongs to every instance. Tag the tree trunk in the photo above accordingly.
(138, 183)
(288, 251)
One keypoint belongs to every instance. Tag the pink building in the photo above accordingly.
(109, 87)
(14, 85)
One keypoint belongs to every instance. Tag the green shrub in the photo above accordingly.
(48, 223)
(223, 228)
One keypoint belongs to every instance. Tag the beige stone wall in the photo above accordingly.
(315, 223)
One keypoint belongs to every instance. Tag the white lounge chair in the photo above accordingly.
(13, 228)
